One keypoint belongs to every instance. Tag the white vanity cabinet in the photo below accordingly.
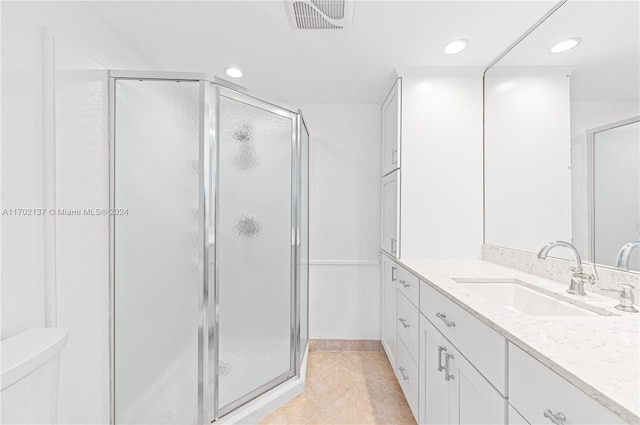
(407, 372)
(544, 397)
(456, 367)
(432, 165)
(407, 325)
(400, 325)
(391, 118)
(434, 389)
(407, 369)
(423, 354)
(452, 390)
(483, 346)
(389, 307)
(472, 399)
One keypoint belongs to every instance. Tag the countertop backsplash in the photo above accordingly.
(559, 270)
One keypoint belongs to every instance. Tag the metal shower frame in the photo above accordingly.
(211, 88)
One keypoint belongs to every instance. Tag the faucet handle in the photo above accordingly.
(592, 278)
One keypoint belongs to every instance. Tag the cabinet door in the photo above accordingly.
(390, 203)
(389, 298)
(434, 390)
(472, 399)
(515, 418)
(538, 392)
(391, 130)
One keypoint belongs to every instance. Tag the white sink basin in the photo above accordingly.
(523, 298)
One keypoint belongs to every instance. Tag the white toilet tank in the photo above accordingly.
(30, 369)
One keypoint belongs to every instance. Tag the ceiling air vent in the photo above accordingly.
(319, 14)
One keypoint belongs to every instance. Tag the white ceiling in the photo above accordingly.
(343, 66)
(607, 61)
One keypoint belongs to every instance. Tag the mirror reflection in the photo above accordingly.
(615, 191)
(562, 145)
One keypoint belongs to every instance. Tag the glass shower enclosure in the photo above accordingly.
(209, 248)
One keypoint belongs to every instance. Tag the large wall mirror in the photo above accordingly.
(562, 141)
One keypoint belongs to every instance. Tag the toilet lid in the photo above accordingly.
(23, 353)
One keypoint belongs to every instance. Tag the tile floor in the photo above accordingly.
(347, 387)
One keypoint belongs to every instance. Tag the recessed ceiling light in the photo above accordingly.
(234, 72)
(565, 45)
(455, 46)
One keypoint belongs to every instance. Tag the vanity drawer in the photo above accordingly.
(408, 284)
(407, 373)
(408, 325)
(534, 389)
(481, 345)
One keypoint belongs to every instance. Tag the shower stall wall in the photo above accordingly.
(209, 248)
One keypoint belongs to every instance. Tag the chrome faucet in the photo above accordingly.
(578, 276)
(625, 252)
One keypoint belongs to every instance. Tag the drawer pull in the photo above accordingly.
(394, 156)
(440, 350)
(443, 316)
(556, 418)
(404, 322)
(404, 283)
(404, 377)
(393, 273)
(393, 246)
(447, 376)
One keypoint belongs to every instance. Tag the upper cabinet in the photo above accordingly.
(391, 118)
(390, 222)
(432, 165)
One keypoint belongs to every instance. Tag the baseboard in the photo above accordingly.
(345, 345)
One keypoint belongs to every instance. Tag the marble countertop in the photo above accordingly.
(598, 354)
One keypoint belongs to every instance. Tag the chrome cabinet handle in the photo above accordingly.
(556, 418)
(404, 377)
(404, 283)
(443, 316)
(393, 273)
(394, 156)
(440, 350)
(447, 376)
(393, 246)
(404, 322)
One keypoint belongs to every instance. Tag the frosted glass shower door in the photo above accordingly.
(157, 251)
(255, 249)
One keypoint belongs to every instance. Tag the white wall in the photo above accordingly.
(77, 280)
(344, 220)
(527, 161)
(587, 115)
(22, 244)
(81, 242)
(22, 175)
